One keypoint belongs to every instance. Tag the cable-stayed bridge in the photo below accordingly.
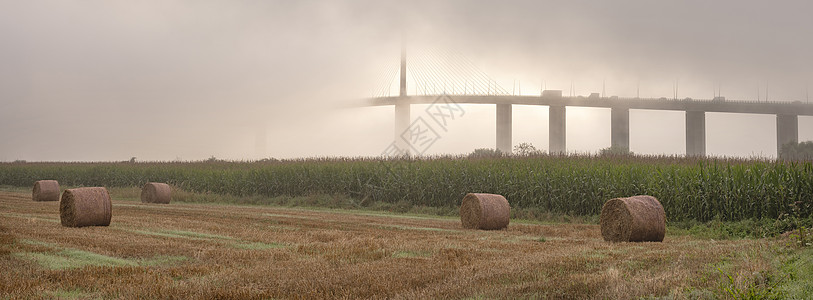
(436, 74)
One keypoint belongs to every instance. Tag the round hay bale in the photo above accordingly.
(633, 219)
(46, 190)
(89, 206)
(484, 211)
(155, 192)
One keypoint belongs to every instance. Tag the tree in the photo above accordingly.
(485, 152)
(527, 149)
(797, 151)
(615, 150)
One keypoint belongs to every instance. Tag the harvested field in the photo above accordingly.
(227, 252)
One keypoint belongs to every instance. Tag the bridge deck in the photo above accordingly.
(724, 106)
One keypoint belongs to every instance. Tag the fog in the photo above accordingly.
(243, 80)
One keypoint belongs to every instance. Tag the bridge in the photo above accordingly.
(476, 88)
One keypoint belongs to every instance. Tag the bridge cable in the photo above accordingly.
(462, 71)
(417, 69)
(433, 77)
(476, 71)
(443, 71)
(385, 81)
(380, 80)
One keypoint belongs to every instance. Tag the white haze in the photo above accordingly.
(166, 80)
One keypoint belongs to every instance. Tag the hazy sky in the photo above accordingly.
(165, 80)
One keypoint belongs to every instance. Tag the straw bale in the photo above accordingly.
(633, 219)
(155, 192)
(484, 211)
(89, 206)
(46, 190)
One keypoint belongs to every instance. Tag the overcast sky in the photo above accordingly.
(167, 80)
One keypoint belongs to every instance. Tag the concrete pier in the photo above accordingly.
(557, 130)
(787, 131)
(620, 127)
(695, 133)
(504, 122)
(402, 116)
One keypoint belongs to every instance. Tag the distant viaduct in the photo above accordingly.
(787, 115)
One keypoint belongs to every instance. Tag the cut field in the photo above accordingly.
(230, 251)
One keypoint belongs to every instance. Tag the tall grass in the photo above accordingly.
(690, 189)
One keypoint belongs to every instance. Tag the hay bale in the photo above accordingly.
(46, 190)
(633, 219)
(484, 211)
(90, 206)
(155, 192)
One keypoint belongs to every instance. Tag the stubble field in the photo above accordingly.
(230, 251)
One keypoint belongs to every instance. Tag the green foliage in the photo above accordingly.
(747, 228)
(797, 151)
(486, 153)
(689, 188)
(527, 149)
(761, 286)
(799, 267)
(615, 150)
(801, 237)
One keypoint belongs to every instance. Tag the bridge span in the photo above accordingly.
(787, 124)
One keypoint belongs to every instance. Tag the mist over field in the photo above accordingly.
(188, 80)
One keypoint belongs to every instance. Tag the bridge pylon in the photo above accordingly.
(402, 110)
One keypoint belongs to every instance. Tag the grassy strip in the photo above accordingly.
(258, 246)
(30, 217)
(194, 234)
(69, 294)
(72, 258)
(689, 188)
(402, 227)
(68, 258)
(715, 229)
(798, 265)
(207, 236)
(411, 254)
(721, 230)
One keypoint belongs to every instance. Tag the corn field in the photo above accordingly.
(688, 188)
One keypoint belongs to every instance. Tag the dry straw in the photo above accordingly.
(88, 206)
(46, 190)
(155, 192)
(633, 219)
(484, 211)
